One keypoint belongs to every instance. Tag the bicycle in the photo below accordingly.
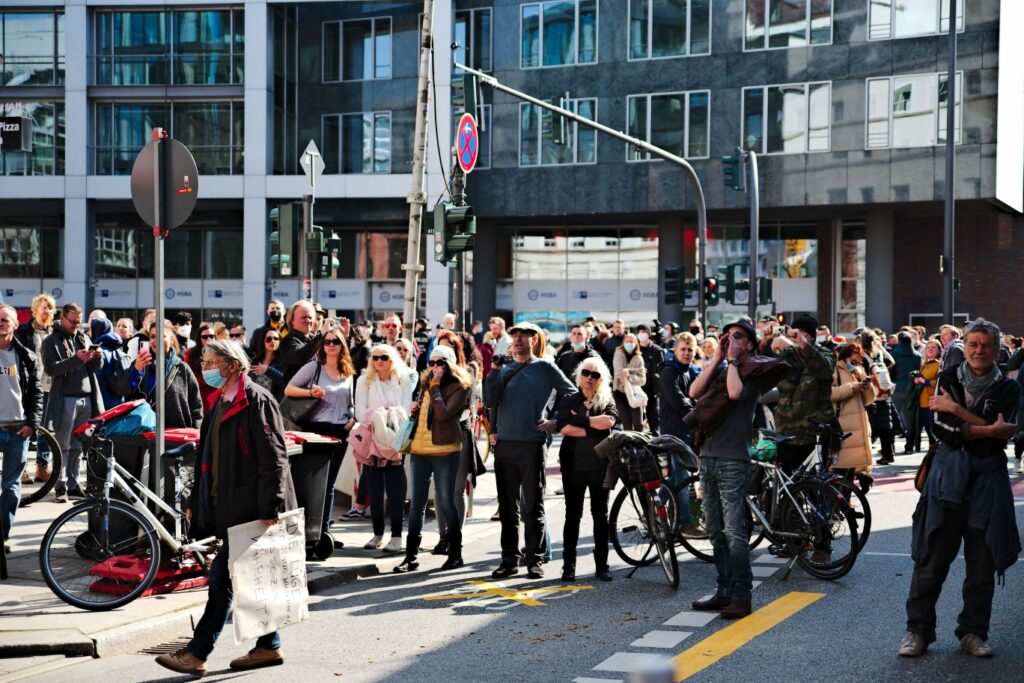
(35, 491)
(101, 528)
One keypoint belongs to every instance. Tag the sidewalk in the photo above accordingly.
(35, 623)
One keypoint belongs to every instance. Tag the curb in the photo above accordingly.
(154, 630)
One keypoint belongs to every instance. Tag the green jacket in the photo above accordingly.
(804, 394)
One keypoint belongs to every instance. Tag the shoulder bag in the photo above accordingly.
(298, 410)
(922, 470)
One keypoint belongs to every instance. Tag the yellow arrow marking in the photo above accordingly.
(733, 637)
(523, 597)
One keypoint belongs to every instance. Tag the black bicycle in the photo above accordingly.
(35, 490)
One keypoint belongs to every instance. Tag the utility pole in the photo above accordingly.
(702, 219)
(458, 301)
(417, 197)
(947, 262)
(755, 227)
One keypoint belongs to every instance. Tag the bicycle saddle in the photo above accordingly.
(666, 443)
(178, 452)
(775, 437)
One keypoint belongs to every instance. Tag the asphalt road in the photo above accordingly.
(432, 626)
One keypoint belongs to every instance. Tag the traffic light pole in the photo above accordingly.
(417, 197)
(306, 263)
(755, 234)
(459, 273)
(702, 222)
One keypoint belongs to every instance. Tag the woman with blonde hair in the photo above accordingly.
(383, 398)
(436, 451)
(31, 334)
(629, 368)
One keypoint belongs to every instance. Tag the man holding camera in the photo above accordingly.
(517, 389)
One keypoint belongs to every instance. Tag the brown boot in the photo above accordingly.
(43, 473)
(737, 609)
(184, 662)
(258, 658)
(26, 478)
(712, 604)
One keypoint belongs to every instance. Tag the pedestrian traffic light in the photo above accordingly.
(326, 263)
(285, 225)
(732, 171)
(559, 124)
(675, 286)
(764, 290)
(454, 230)
(711, 291)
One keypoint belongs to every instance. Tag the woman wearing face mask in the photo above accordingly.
(629, 367)
(852, 392)
(929, 376)
(184, 404)
(194, 359)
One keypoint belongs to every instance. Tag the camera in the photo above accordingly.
(500, 360)
(914, 374)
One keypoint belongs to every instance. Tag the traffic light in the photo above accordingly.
(675, 286)
(469, 92)
(732, 171)
(285, 225)
(559, 124)
(764, 290)
(454, 230)
(326, 262)
(710, 291)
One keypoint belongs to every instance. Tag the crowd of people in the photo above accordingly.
(402, 404)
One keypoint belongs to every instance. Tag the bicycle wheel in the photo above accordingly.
(628, 529)
(700, 546)
(827, 543)
(661, 529)
(30, 493)
(859, 505)
(88, 534)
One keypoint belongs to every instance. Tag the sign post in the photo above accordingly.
(467, 150)
(313, 165)
(165, 186)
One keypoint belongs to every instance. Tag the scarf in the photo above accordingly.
(974, 385)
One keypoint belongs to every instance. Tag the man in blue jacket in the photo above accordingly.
(907, 361)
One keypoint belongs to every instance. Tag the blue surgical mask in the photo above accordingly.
(850, 366)
(213, 378)
(629, 346)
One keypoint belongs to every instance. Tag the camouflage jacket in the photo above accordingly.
(805, 393)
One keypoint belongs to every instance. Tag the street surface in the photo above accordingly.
(462, 626)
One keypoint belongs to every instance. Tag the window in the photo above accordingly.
(774, 24)
(852, 295)
(910, 111)
(669, 28)
(483, 157)
(286, 90)
(787, 119)
(905, 18)
(213, 131)
(558, 33)
(361, 141)
(213, 253)
(676, 122)
(164, 47)
(31, 247)
(536, 141)
(32, 45)
(473, 34)
(47, 155)
(357, 50)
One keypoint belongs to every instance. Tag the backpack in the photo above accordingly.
(136, 423)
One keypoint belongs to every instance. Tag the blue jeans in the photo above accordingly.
(218, 607)
(678, 475)
(725, 514)
(43, 457)
(444, 468)
(15, 453)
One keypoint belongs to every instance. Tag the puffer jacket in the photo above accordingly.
(444, 403)
(851, 410)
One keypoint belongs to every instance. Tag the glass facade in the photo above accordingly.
(676, 122)
(361, 141)
(910, 111)
(47, 155)
(669, 28)
(194, 253)
(558, 33)
(286, 90)
(165, 47)
(31, 247)
(788, 119)
(852, 268)
(32, 46)
(537, 145)
(777, 24)
(357, 50)
(909, 18)
(213, 131)
(472, 31)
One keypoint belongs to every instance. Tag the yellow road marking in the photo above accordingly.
(733, 637)
(523, 597)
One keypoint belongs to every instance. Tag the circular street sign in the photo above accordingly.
(468, 145)
(181, 183)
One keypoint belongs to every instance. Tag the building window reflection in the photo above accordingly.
(669, 28)
(32, 46)
(558, 33)
(788, 119)
(194, 253)
(852, 293)
(907, 18)
(361, 141)
(47, 155)
(910, 111)
(780, 24)
(31, 247)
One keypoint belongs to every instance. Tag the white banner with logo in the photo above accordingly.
(387, 296)
(638, 295)
(268, 575)
(288, 291)
(179, 294)
(593, 295)
(540, 295)
(349, 295)
(116, 293)
(223, 294)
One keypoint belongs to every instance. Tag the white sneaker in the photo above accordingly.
(394, 545)
(374, 543)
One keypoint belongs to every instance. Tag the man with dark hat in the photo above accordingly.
(805, 393)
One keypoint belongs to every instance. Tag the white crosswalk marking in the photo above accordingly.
(755, 584)
(692, 619)
(771, 559)
(661, 639)
(581, 679)
(764, 571)
(627, 662)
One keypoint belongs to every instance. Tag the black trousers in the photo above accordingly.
(653, 410)
(519, 471)
(632, 418)
(791, 456)
(576, 484)
(929, 575)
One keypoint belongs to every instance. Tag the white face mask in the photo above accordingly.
(185, 330)
(643, 336)
(578, 346)
(820, 339)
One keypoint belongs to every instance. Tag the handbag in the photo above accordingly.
(298, 410)
(404, 435)
(921, 476)
(635, 395)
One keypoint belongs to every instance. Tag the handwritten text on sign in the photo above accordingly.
(268, 572)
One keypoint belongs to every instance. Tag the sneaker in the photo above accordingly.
(354, 514)
(183, 662)
(535, 570)
(975, 646)
(394, 545)
(374, 543)
(913, 645)
(691, 531)
(60, 492)
(258, 658)
(496, 517)
(43, 473)
(76, 492)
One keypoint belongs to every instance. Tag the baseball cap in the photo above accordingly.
(525, 328)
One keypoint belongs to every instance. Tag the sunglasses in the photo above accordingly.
(271, 339)
(438, 363)
(206, 336)
(381, 358)
(333, 342)
(590, 373)
(236, 335)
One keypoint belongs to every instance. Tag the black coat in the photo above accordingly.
(254, 479)
(184, 403)
(675, 399)
(296, 350)
(28, 380)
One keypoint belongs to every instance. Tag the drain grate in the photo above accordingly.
(166, 648)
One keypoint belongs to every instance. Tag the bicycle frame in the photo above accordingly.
(779, 481)
(118, 477)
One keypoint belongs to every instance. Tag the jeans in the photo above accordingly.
(444, 468)
(519, 470)
(15, 454)
(901, 401)
(467, 461)
(42, 447)
(680, 476)
(979, 584)
(218, 607)
(725, 514)
(77, 409)
(392, 480)
(576, 485)
(337, 457)
(925, 419)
